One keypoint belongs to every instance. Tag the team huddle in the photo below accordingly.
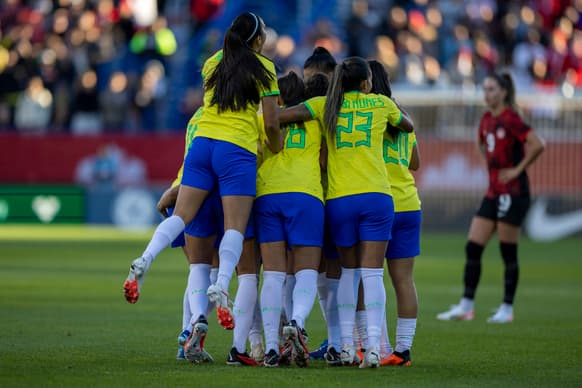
(316, 189)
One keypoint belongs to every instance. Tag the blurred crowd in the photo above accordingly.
(99, 66)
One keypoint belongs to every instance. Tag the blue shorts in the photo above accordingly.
(405, 235)
(211, 162)
(295, 218)
(360, 217)
(208, 221)
(329, 249)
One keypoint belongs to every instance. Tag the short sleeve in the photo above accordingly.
(517, 127)
(393, 113)
(315, 106)
(273, 89)
(481, 130)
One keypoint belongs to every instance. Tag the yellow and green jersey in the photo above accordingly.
(296, 168)
(397, 154)
(190, 132)
(264, 152)
(355, 164)
(240, 127)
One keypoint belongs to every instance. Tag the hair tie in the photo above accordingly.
(256, 27)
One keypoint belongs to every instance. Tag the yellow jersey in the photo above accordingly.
(296, 168)
(240, 127)
(397, 154)
(190, 132)
(264, 152)
(355, 164)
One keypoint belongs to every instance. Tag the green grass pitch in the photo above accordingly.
(64, 321)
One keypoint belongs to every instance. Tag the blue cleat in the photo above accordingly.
(319, 354)
(183, 337)
(180, 355)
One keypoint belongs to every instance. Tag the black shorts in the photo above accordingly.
(505, 208)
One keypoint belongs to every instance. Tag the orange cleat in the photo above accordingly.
(397, 359)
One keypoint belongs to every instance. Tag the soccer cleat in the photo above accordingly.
(236, 358)
(360, 353)
(371, 359)
(194, 345)
(180, 355)
(319, 354)
(134, 281)
(296, 336)
(286, 354)
(258, 352)
(271, 359)
(183, 337)
(502, 315)
(456, 313)
(348, 355)
(397, 358)
(219, 297)
(332, 357)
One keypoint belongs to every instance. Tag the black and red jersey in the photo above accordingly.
(503, 138)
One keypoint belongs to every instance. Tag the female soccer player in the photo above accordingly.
(223, 153)
(401, 155)
(509, 146)
(289, 214)
(358, 200)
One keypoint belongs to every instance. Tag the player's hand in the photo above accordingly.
(508, 174)
(168, 199)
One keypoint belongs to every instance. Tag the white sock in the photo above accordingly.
(467, 304)
(198, 282)
(186, 314)
(322, 292)
(213, 277)
(288, 296)
(304, 295)
(333, 329)
(271, 304)
(229, 253)
(255, 335)
(362, 328)
(346, 303)
(385, 345)
(405, 330)
(375, 301)
(243, 310)
(163, 236)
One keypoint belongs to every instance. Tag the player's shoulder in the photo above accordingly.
(267, 62)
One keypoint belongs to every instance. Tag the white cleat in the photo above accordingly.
(348, 355)
(194, 346)
(219, 297)
(134, 281)
(371, 359)
(456, 313)
(504, 314)
(258, 352)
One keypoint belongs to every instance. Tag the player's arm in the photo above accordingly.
(414, 163)
(534, 146)
(271, 119)
(295, 114)
(168, 199)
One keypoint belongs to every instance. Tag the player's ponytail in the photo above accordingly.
(235, 79)
(346, 77)
(505, 82)
(509, 87)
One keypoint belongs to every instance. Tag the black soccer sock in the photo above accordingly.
(509, 254)
(473, 253)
